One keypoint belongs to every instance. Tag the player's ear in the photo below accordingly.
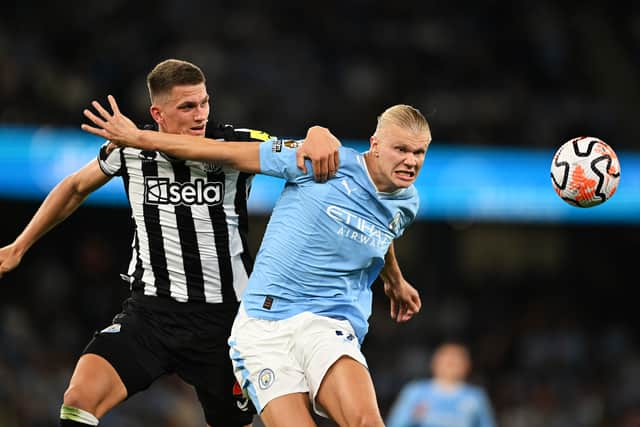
(156, 114)
(373, 144)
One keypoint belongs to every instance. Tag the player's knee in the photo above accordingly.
(81, 397)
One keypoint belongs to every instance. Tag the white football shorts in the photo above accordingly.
(272, 358)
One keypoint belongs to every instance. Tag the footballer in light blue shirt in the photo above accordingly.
(445, 400)
(325, 243)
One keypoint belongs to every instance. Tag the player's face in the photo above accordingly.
(451, 364)
(185, 110)
(399, 154)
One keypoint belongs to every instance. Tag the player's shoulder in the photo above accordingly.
(112, 152)
(351, 159)
(106, 149)
(229, 132)
(350, 152)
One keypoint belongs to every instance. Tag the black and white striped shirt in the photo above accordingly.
(190, 218)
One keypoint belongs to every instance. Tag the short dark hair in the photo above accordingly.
(170, 73)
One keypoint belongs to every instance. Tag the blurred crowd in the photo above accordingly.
(491, 72)
(554, 339)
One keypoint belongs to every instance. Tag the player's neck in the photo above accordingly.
(372, 169)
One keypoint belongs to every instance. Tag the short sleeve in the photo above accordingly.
(278, 158)
(110, 159)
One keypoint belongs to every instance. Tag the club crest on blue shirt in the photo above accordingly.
(394, 225)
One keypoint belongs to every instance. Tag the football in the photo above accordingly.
(585, 172)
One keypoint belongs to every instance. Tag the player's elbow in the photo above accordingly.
(323, 132)
(318, 128)
(76, 187)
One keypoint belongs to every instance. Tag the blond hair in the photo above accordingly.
(170, 73)
(404, 116)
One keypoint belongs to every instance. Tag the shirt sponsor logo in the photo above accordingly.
(358, 229)
(161, 191)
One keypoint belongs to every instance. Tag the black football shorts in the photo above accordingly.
(149, 339)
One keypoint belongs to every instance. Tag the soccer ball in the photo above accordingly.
(585, 172)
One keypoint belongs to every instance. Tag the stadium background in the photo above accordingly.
(545, 306)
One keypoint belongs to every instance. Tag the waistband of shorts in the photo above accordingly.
(169, 304)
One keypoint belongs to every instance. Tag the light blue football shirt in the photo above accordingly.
(425, 404)
(326, 242)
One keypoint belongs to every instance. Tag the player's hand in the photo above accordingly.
(404, 298)
(115, 127)
(9, 259)
(321, 147)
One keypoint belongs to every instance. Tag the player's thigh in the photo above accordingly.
(95, 386)
(323, 343)
(261, 354)
(291, 410)
(126, 354)
(347, 394)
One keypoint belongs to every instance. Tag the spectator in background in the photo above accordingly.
(445, 400)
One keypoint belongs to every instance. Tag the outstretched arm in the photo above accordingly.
(404, 298)
(115, 126)
(61, 202)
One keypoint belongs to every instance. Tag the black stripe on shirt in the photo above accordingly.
(188, 239)
(125, 174)
(151, 215)
(137, 283)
